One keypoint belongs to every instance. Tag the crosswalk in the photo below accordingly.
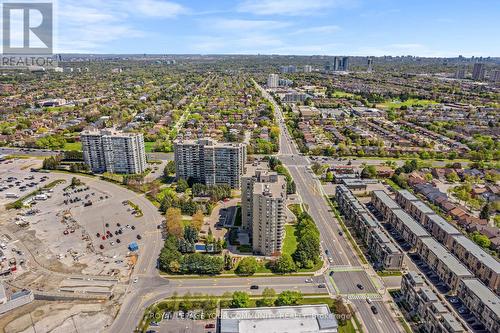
(362, 296)
(345, 268)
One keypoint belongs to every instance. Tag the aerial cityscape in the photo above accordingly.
(250, 166)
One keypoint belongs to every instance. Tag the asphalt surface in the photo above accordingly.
(339, 250)
(150, 288)
(347, 282)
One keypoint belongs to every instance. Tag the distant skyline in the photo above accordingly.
(443, 28)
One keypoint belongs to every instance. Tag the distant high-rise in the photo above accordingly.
(263, 210)
(113, 151)
(495, 76)
(478, 71)
(460, 74)
(307, 69)
(273, 81)
(345, 64)
(338, 64)
(209, 162)
(369, 65)
(288, 69)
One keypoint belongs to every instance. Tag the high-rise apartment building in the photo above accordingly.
(338, 64)
(460, 74)
(109, 150)
(263, 199)
(369, 64)
(288, 69)
(273, 81)
(495, 76)
(209, 162)
(478, 71)
(307, 69)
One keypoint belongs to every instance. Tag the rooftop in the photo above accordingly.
(423, 207)
(408, 195)
(285, 319)
(478, 253)
(410, 223)
(491, 300)
(444, 225)
(452, 322)
(446, 257)
(386, 199)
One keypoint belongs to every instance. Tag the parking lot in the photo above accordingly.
(86, 227)
(16, 180)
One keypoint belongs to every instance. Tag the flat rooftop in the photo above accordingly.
(452, 322)
(444, 225)
(491, 300)
(410, 223)
(446, 257)
(423, 207)
(478, 253)
(386, 199)
(285, 319)
(408, 195)
(415, 277)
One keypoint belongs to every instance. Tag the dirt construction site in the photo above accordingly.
(74, 243)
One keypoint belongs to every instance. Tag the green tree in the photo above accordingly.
(247, 266)
(452, 177)
(481, 240)
(168, 254)
(329, 176)
(369, 171)
(341, 310)
(288, 297)
(182, 185)
(485, 212)
(268, 298)
(284, 264)
(240, 299)
(169, 169)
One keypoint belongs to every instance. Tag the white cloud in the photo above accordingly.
(290, 7)
(241, 25)
(324, 29)
(158, 8)
(90, 25)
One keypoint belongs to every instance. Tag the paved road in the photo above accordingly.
(310, 190)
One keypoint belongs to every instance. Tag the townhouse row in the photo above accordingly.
(382, 252)
(421, 302)
(480, 300)
(484, 266)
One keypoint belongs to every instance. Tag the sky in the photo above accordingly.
(436, 28)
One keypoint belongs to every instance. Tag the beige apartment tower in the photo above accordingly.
(263, 210)
(210, 162)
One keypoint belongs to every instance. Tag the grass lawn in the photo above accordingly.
(296, 209)
(148, 146)
(342, 94)
(290, 243)
(73, 146)
(389, 273)
(347, 328)
(411, 102)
